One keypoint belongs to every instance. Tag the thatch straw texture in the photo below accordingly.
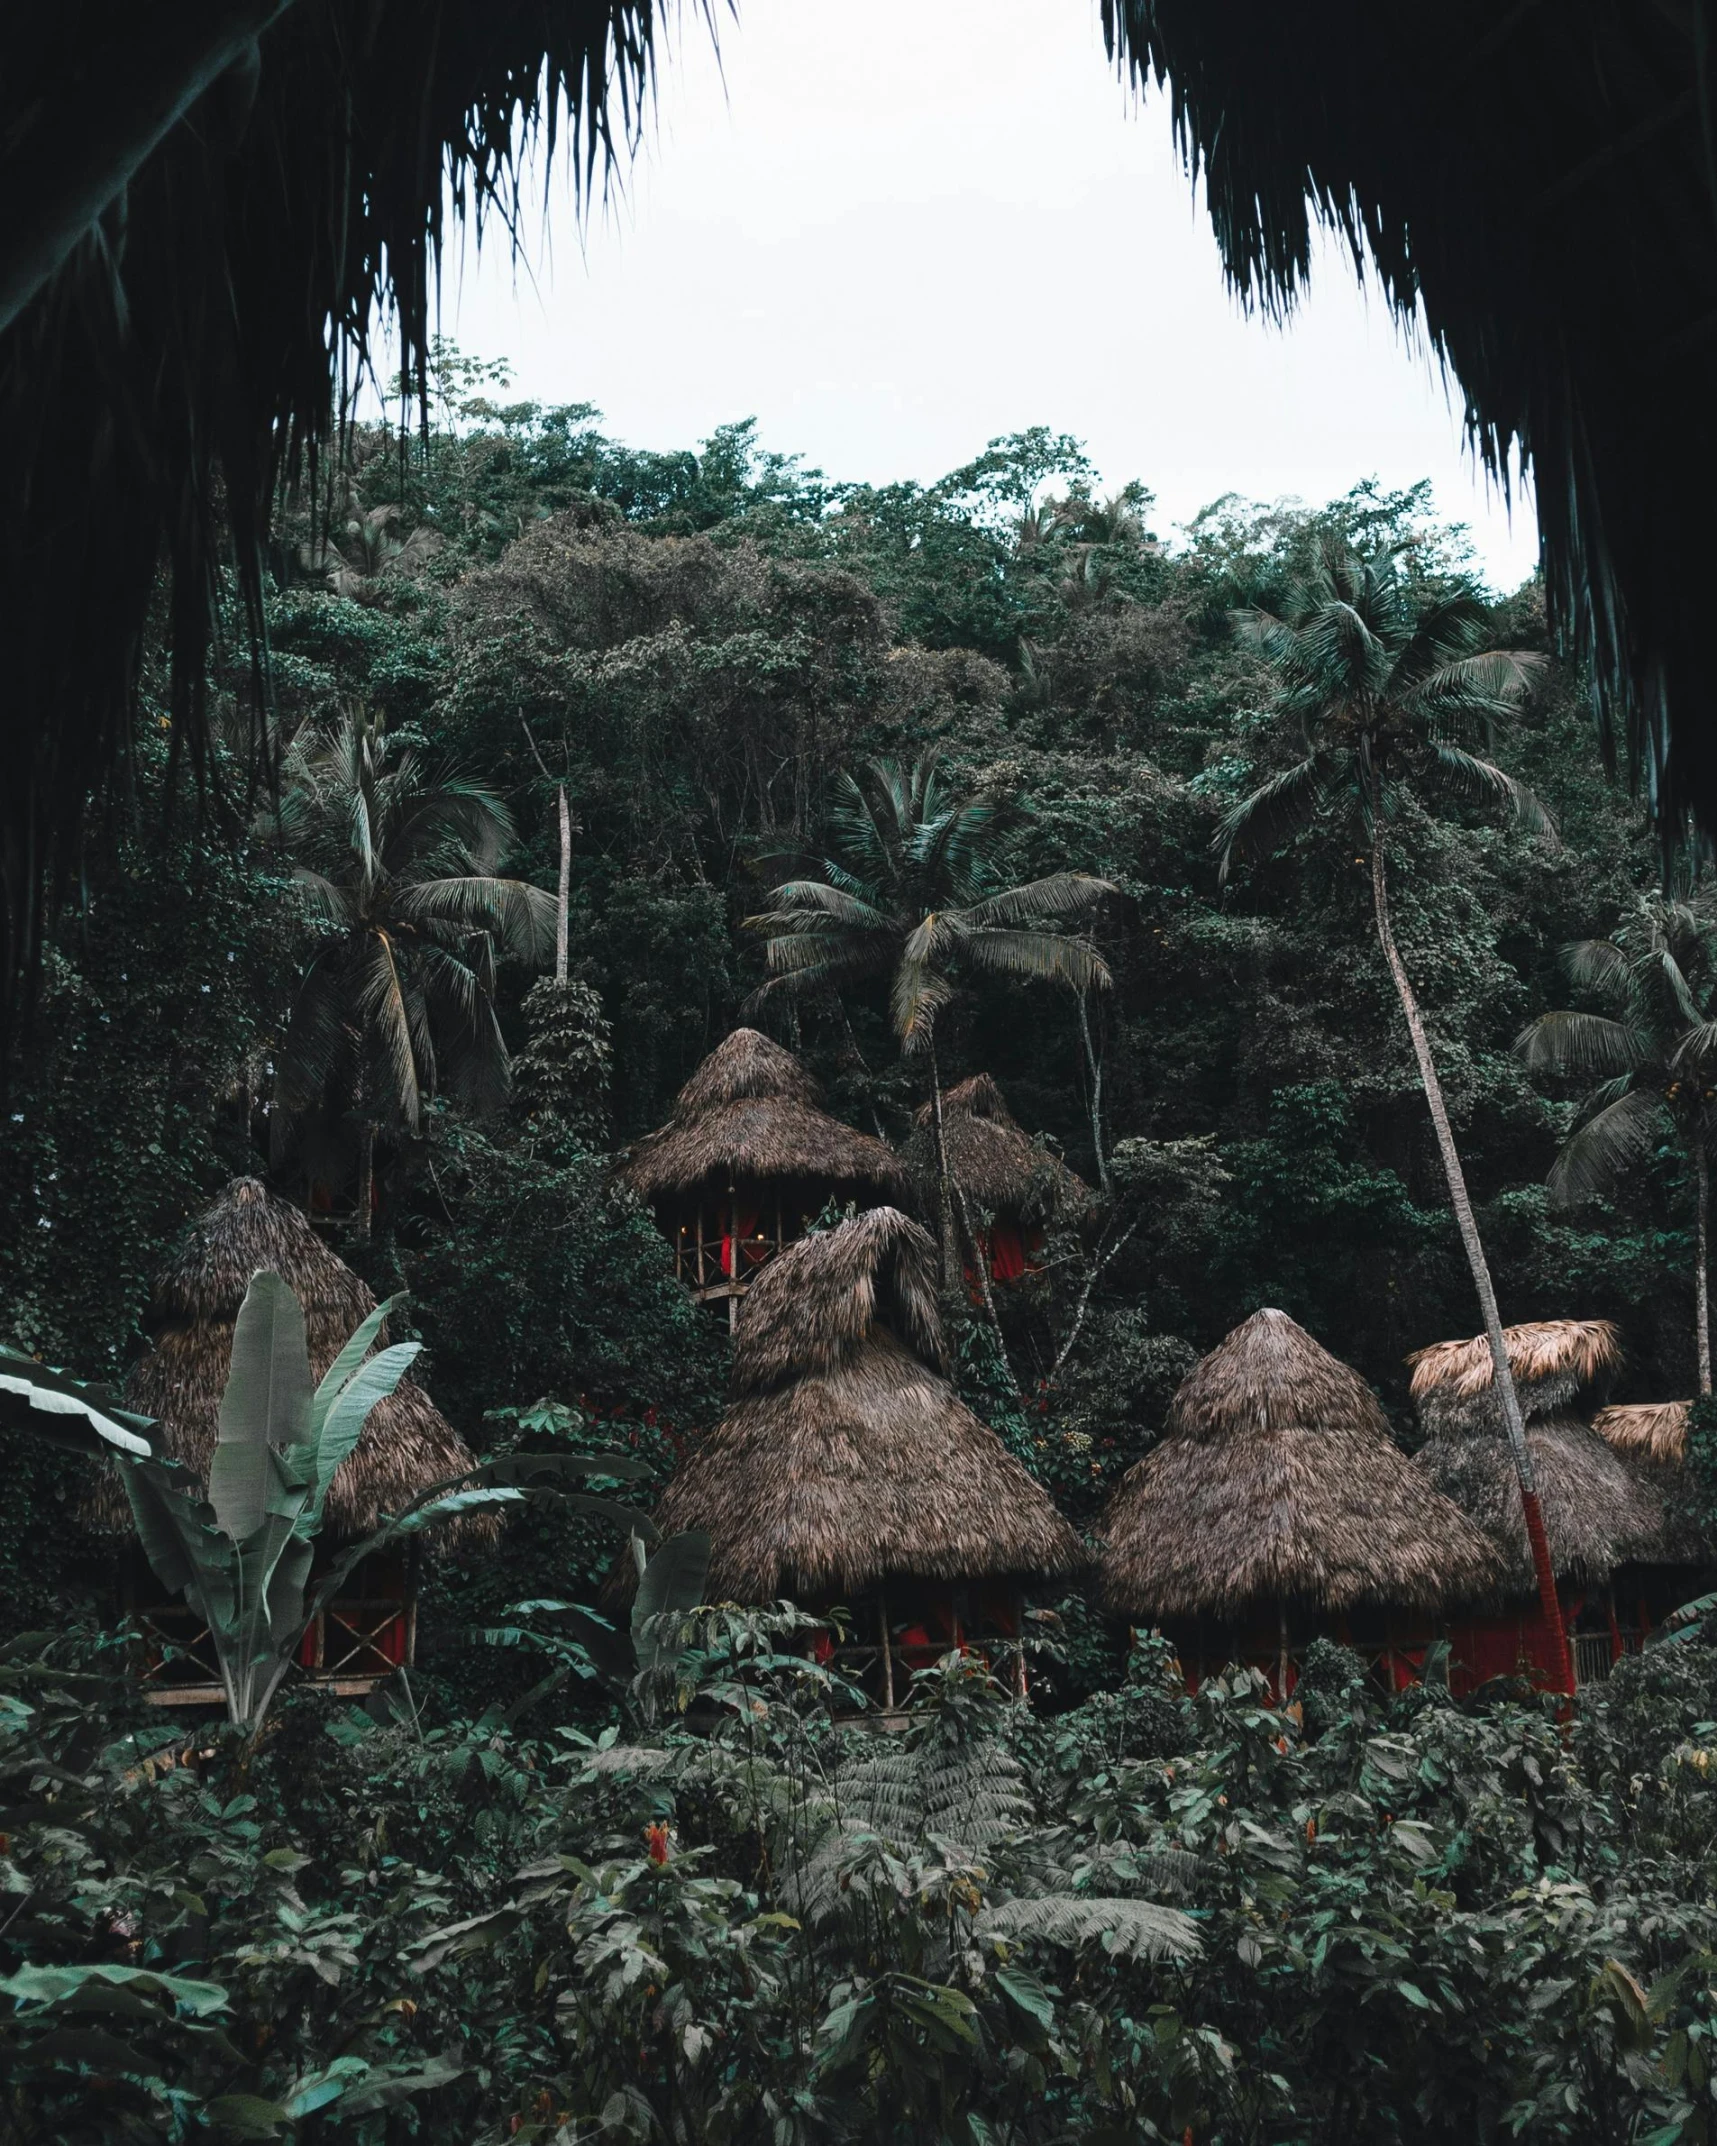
(407, 1442)
(1553, 1361)
(1277, 1482)
(750, 1116)
(993, 1160)
(1600, 1510)
(1647, 1430)
(845, 1458)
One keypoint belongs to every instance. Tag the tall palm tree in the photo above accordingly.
(1383, 692)
(909, 894)
(398, 1003)
(1652, 1060)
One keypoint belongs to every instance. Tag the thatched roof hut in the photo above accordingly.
(1277, 1483)
(751, 1114)
(845, 1458)
(1653, 1431)
(406, 1444)
(1601, 1510)
(994, 1161)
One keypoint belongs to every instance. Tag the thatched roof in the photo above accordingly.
(993, 1160)
(1484, 159)
(1600, 1510)
(845, 1457)
(1647, 1430)
(1553, 1362)
(750, 1115)
(406, 1444)
(1277, 1482)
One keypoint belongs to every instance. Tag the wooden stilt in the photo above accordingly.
(887, 1651)
(1281, 1654)
(1020, 1688)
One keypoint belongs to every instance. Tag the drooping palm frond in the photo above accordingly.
(1061, 894)
(1272, 814)
(1608, 1145)
(1588, 1044)
(1483, 782)
(1040, 956)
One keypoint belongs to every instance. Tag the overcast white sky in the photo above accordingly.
(891, 231)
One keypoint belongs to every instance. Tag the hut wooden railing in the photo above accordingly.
(886, 1647)
(716, 1258)
(359, 1639)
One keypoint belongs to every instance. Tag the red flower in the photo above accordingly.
(656, 1841)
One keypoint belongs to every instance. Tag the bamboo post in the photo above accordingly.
(732, 1261)
(1020, 1687)
(1281, 1653)
(887, 1651)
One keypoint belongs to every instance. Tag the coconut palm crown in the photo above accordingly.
(1374, 683)
(909, 892)
(402, 867)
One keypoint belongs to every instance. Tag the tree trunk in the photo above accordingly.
(1094, 1066)
(565, 888)
(366, 1175)
(1465, 1222)
(981, 1267)
(1702, 1278)
(944, 1188)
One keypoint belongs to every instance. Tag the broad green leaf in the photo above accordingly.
(266, 1404)
(673, 1583)
(350, 1357)
(348, 1412)
(52, 1985)
(33, 1398)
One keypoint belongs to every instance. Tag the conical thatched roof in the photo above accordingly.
(407, 1442)
(1553, 1362)
(845, 1457)
(1647, 1430)
(993, 1160)
(1600, 1509)
(750, 1115)
(1277, 1481)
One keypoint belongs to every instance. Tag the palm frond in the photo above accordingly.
(1061, 894)
(810, 904)
(1607, 1146)
(1485, 783)
(1588, 1044)
(1273, 813)
(382, 1000)
(1040, 956)
(521, 917)
(1600, 965)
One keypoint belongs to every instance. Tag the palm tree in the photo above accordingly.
(909, 894)
(398, 1003)
(1652, 1060)
(1384, 692)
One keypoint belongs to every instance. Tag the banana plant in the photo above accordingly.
(241, 1554)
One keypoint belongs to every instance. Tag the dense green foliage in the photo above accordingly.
(450, 1916)
(1150, 1917)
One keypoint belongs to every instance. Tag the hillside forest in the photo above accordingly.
(507, 645)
